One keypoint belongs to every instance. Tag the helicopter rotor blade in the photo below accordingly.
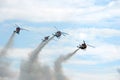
(90, 46)
(56, 28)
(24, 29)
(17, 25)
(64, 33)
(20, 27)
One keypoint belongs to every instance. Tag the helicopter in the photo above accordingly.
(45, 38)
(84, 46)
(18, 29)
(59, 33)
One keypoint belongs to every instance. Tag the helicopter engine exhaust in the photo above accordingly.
(58, 66)
(32, 69)
(5, 70)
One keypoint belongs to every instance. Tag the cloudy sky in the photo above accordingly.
(95, 21)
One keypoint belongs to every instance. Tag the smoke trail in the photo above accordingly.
(35, 71)
(118, 70)
(32, 69)
(58, 67)
(5, 71)
(64, 58)
(8, 45)
(35, 53)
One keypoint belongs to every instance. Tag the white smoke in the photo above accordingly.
(32, 69)
(8, 45)
(59, 75)
(5, 70)
(34, 54)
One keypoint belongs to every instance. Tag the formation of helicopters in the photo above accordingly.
(57, 34)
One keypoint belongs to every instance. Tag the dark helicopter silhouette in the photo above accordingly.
(59, 33)
(45, 38)
(18, 29)
(84, 45)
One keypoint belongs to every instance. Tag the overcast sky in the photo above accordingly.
(95, 21)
